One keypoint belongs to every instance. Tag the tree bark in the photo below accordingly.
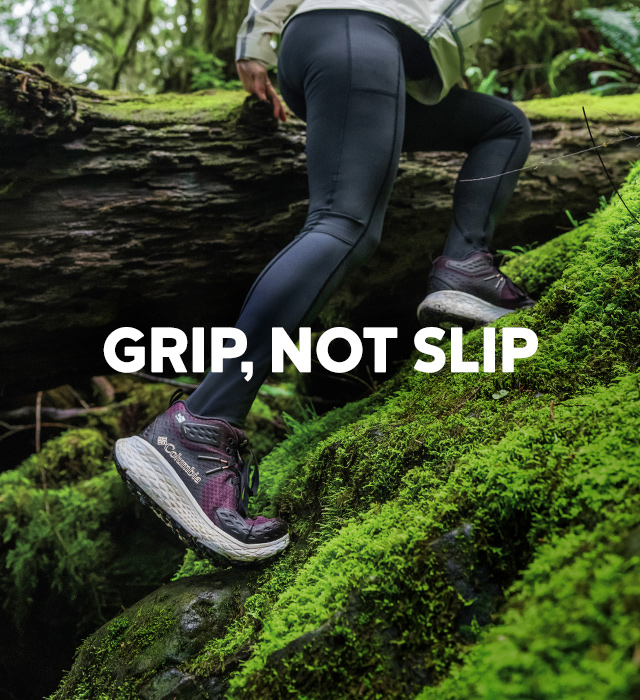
(221, 22)
(146, 18)
(161, 212)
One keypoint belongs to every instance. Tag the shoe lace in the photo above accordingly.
(248, 482)
(499, 275)
(243, 471)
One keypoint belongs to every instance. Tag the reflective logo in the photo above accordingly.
(178, 459)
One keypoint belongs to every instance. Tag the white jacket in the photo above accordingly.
(453, 28)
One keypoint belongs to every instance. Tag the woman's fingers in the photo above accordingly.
(261, 81)
(278, 109)
(256, 81)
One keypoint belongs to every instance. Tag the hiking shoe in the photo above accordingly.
(188, 469)
(469, 292)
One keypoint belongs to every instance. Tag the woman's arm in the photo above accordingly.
(265, 18)
(254, 52)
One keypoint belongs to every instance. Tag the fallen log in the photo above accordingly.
(139, 211)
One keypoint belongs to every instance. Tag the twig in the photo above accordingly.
(186, 385)
(12, 429)
(78, 398)
(349, 377)
(463, 402)
(172, 382)
(38, 419)
(105, 386)
(525, 66)
(27, 412)
(45, 492)
(551, 160)
(372, 379)
(604, 167)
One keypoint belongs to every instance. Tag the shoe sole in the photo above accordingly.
(449, 308)
(153, 480)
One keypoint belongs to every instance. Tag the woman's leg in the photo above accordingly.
(496, 135)
(343, 72)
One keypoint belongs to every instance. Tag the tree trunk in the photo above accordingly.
(222, 19)
(161, 211)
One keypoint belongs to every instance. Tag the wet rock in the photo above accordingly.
(174, 684)
(469, 577)
(145, 646)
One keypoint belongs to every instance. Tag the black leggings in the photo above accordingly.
(343, 72)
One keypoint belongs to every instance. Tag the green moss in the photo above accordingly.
(378, 573)
(279, 465)
(78, 453)
(8, 120)
(203, 107)
(539, 467)
(620, 108)
(64, 513)
(537, 269)
(15, 63)
(572, 629)
(243, 629)
(121, 657)
(441, 451)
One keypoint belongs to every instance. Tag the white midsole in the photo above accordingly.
(157, 478)
(462, 305)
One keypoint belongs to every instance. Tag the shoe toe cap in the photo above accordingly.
(268, 530)
(255, 531)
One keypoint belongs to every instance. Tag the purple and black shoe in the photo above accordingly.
(469, 292)
(188, 469)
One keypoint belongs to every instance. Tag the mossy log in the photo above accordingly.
(142, 211)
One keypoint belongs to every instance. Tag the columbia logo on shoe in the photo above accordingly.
(177, 458)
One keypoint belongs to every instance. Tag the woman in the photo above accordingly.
(370, 79)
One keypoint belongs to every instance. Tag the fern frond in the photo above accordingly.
(566, 58)
(621, 29)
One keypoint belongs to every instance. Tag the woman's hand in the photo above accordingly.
(256, 81)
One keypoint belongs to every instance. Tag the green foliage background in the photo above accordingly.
(160, 45)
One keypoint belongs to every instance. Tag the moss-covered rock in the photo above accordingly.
(571, 628)
(138, 654)
(76, 546)
(417, 509)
